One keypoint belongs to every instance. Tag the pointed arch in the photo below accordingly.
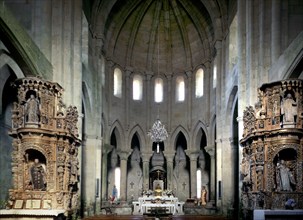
(117, 128)
(140, 133)
(233, 97)
(175, 133)
(199, 131)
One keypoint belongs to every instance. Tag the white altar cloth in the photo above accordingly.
(146, 204)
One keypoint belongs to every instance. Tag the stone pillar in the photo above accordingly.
(170, 168)
(211, 151)
(146, 159)
(275, 30)
(105, 150)
(189, 98)
(193, 155)
(123, 170)
(128, 95)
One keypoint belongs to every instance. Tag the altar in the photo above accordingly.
(158, 201)
(164, 204)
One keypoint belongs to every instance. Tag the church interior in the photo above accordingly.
(151, 109)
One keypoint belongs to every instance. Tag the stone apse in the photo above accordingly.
(271, 168)
(45, 149)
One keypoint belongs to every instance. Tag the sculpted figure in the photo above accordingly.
(284, 177)
(38, 175)
(288, 108)
(32, 111)
(203, 196)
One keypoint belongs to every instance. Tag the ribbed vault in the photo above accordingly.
(159, 36)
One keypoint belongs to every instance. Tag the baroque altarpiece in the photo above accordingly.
(45, 166)
(271, 168)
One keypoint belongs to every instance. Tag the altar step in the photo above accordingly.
(140, 217)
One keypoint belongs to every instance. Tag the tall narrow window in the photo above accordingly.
(117, 180)
(215, 77)
(199, 83)
(158, 90)
(180, 89)
(137, 87)
(117, 82)
(199, 183)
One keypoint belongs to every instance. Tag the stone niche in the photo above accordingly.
(271, 168)
(45, 167)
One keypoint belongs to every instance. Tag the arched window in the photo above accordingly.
(117, 82)
(199, 83)
(117, 180)
(158, 90)
(180, 89)
(137, 87)
(215, 77)
(199, 183)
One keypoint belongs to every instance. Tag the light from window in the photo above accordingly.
(215, 77)
(117, 180)
(180, 89)
(137, 87)
(158, 90)
(117, 82)
(199, 183)
(199, 83)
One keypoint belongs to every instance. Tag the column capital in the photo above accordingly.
(210, 149)
(146, 156)
(123, 154)
(193, 154)
(107, 148)
(169, 155)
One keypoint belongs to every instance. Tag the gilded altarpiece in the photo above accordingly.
(45, 166)
(271, 168)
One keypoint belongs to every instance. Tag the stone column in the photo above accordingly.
(128, 95)
(193, 155)
(189, 98)
(275, 30)
(211, 151)
(123, 170)
(146, 159)
(105, 150)
(170, 168)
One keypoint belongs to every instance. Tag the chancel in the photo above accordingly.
(145, 109)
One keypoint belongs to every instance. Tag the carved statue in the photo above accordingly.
(32, 111)
(288, 108)
(284, 178)
(203, 196)
(245, 170)
(38, 175)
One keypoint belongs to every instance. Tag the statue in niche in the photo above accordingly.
(288, 109)
(284, 177)
(181, 174)
(38, 175)
(204, 172)
(260, 111)
(32, 109)
(134, 176)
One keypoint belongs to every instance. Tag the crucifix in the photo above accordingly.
(132, 185)
(184, 184)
